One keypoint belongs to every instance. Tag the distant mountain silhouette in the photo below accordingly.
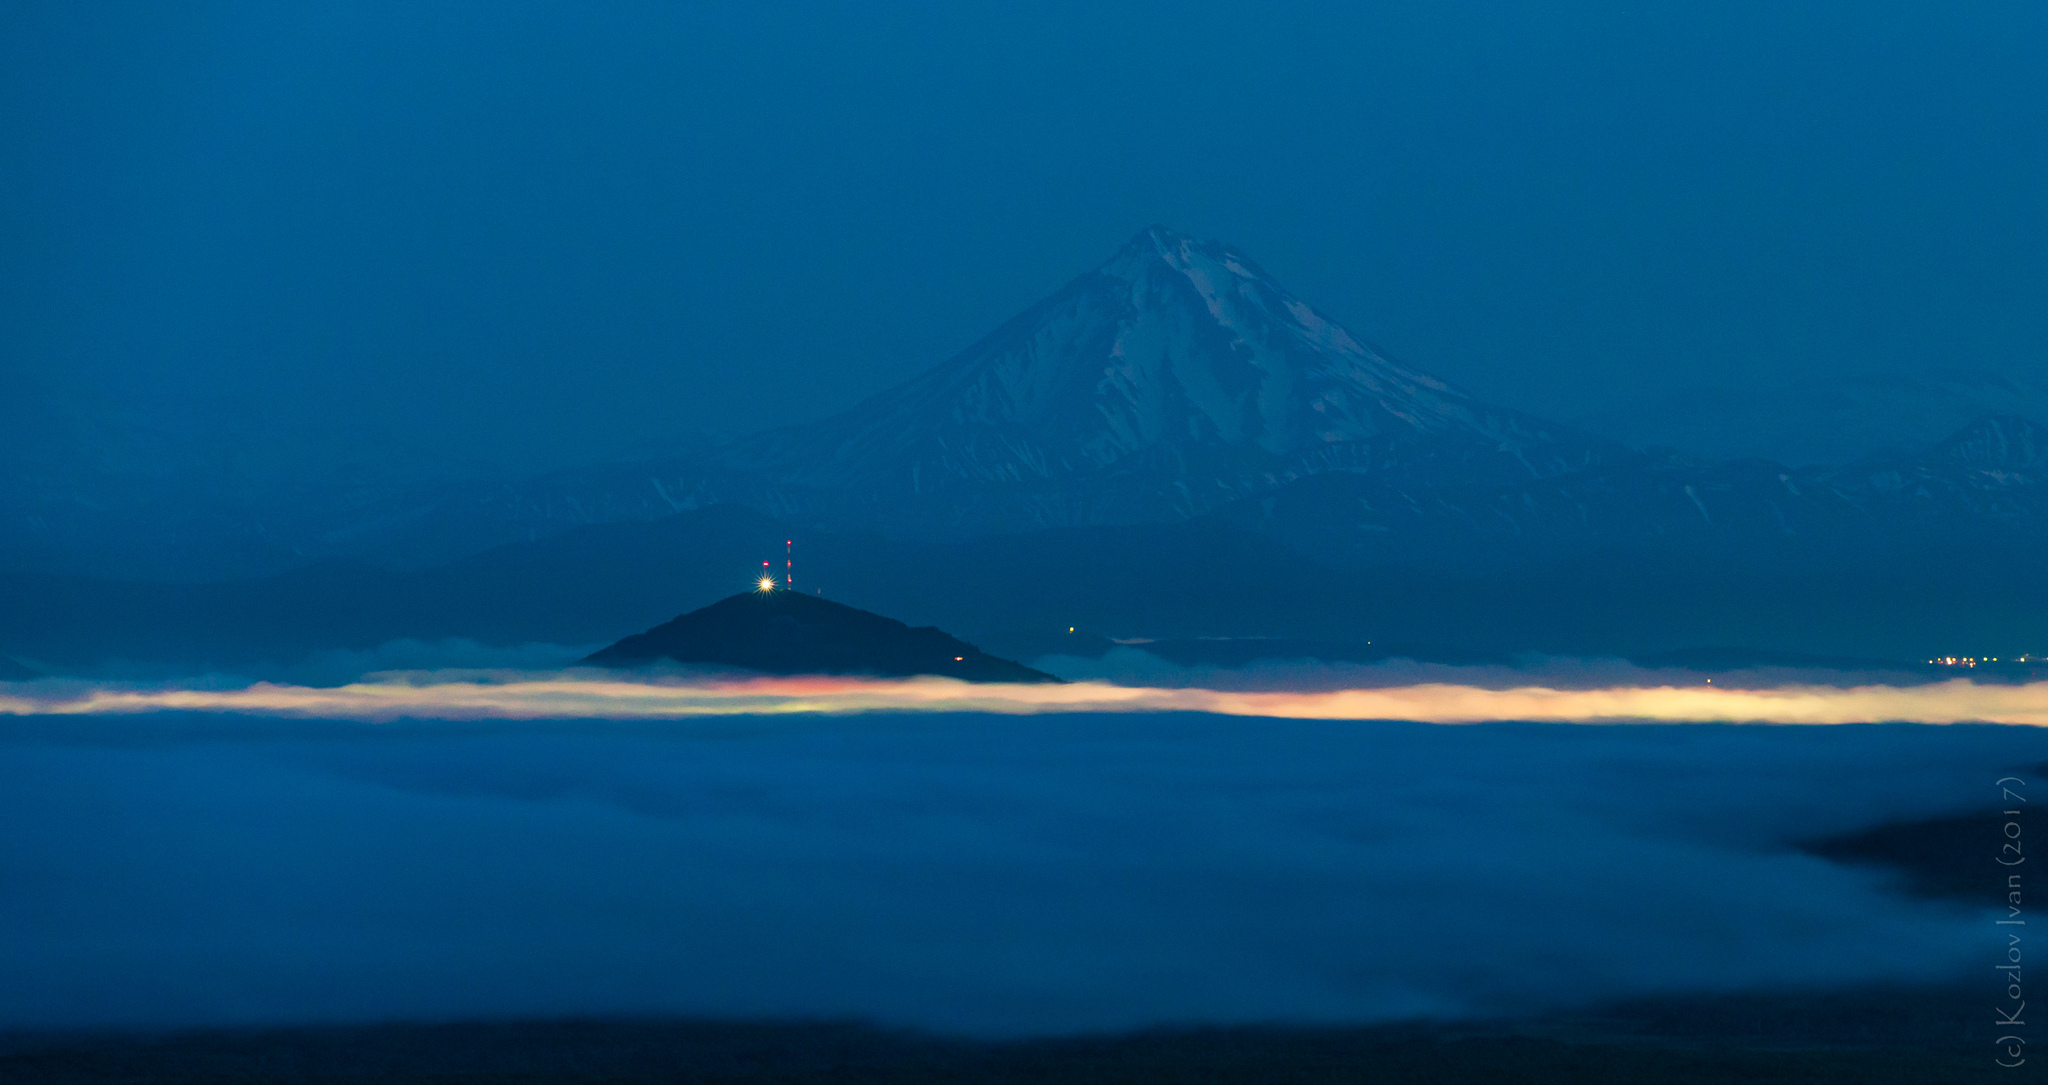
(1823, 421)
(1174, 383)
(10, 671)
(787, 632)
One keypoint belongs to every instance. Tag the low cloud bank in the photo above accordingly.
(1128, 665)
(601, 695)
(995, 874)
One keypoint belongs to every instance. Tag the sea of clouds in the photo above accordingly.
(1487, 694)
(999, 871)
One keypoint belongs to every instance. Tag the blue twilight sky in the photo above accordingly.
(541, 232)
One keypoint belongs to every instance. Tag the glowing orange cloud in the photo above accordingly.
(569, 696)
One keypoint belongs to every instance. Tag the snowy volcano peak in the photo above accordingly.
(1179, 253)
(1182, 254)
(1214, 270)
(1257, 363)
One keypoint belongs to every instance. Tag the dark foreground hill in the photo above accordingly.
(1927, 1036)
(787, 632)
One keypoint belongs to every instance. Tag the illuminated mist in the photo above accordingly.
(506, 695)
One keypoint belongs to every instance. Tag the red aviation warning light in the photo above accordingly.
(767, 581)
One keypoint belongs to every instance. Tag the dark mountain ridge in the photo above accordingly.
(1824, 421)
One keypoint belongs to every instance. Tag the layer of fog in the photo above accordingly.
(993, 874)
(1134, 666)
(589, 693)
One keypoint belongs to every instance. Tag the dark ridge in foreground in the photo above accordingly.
(1946, 858)
(786, 632)
(1955, 858)
(1924, 1036)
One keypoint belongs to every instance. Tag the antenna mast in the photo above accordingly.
(789, 564)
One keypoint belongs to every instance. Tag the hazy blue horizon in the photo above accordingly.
(539, 233)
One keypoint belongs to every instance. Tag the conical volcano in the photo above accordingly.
(1170, 380)
(785, 632)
